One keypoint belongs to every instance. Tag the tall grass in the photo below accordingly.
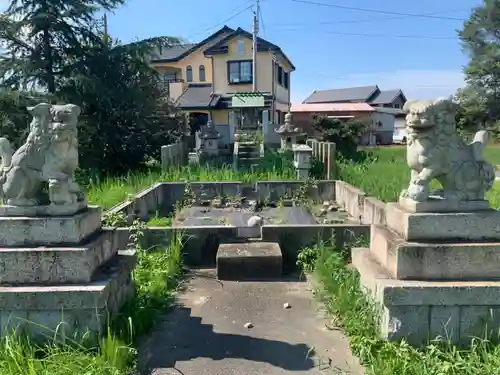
(340, 291)
(156, 278)
(109, 191)
(386, 174)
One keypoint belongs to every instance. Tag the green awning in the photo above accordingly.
(247, 99)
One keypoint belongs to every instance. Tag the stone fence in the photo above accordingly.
(324, 152)
(357, 204)
(173, 155)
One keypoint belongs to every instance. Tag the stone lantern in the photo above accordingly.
(209, 139)
(302, 160)
(288, 133)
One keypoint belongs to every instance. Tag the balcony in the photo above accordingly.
(173, 88)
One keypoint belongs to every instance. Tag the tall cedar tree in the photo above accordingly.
(39, 37)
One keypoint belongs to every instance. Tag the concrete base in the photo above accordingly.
(57, 265)
(443, 205)
(434, 260)
(469, 226)
(39, 310)
(249, 260)
(419, 311)
(50, 210)
(49, 230)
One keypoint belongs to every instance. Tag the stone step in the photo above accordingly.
(249, 261)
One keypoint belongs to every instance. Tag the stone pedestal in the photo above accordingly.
(61, 273)
(435, 274)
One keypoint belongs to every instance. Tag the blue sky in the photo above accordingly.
(330, 47)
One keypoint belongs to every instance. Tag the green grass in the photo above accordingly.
(156, 278)
(388, 175)
(357, 316)
(107, 192)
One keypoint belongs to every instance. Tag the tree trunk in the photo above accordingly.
(49, 68)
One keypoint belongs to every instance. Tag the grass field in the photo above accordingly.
(385, 177)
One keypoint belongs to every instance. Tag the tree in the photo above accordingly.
(480, 36)
(41, 36)
(345, 133)
(120, 96)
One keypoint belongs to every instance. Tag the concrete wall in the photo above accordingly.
(173, 155)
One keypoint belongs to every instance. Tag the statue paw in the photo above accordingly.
(417, 192)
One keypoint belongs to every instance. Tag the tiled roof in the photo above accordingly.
(386, 96)
(178, 52)
(361, 94)
(197, 96)
(331, 107)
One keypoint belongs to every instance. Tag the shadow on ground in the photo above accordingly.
(190, 339)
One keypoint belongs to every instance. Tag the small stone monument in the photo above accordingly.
(59, 270)
(435, 266)
(302, 160)
(288, 133)
(209, 139)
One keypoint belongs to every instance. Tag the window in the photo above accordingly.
(240, 48)
(169, 77)
(286, 77)
(189, 74)
(239, 71)
(280, 75)
(397, 106)
(202, 73)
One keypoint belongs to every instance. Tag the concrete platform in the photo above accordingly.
(206, 334)
(80, 307)
(238, 217)
(57, 265)
(419, 311)
(437, 260)
(50, 230)
(249, 261)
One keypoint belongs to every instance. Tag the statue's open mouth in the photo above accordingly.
(419, 126)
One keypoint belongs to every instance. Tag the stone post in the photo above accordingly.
(302, 160)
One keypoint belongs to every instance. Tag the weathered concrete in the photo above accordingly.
(206, 335)
(435, 260)
(71, 308)
(350, 198)
(57, 265)
(468, 226)
(419, 311)
(373, 211)
(443, 205)
(46, 231)
(249, 261)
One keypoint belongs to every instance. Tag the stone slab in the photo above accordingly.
(443, 205)
(47, 231)
(50, 210)
(249, 260)
(467, 226)
(238, 217)
(435, 260)
(419, 311)
(57, 265)
(41, 309)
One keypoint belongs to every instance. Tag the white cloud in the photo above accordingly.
(415, 84)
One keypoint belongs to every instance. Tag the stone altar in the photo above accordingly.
(59, 269)
(435, 268)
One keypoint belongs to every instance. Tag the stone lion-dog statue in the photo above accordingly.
(50, 154)
(436, 151)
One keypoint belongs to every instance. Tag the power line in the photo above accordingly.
(310, 2)
(219, 24)
(381, 35)
(372, 19)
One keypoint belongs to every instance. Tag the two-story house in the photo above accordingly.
(387, 117)
(215, 78)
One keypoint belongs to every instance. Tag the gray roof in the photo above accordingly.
(196, 96)
(386, 96)
(361, 94)
(172, 52)
(394, 111)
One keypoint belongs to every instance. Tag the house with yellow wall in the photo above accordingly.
(215, 78)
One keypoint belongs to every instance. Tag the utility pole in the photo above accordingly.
(256, 15)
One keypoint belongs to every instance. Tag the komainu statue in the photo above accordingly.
(436, 151)
(50, 155)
